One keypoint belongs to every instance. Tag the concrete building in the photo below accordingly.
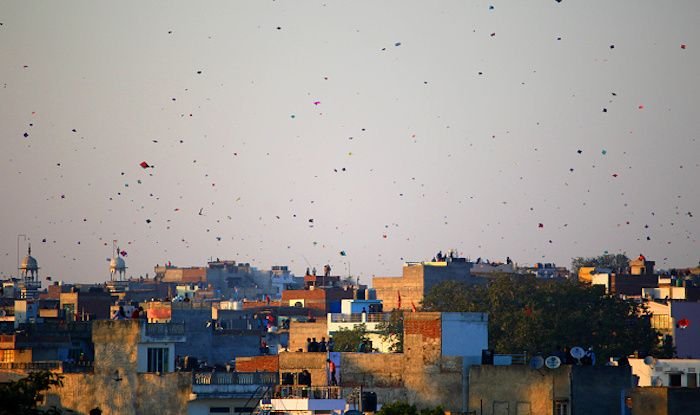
(680, 373)
(317, 300)
(352, 315)
(133, 372)
(86, 303)
(662, 401)
(418, 278)
(566, 390)
(680, 320)
(433, 370)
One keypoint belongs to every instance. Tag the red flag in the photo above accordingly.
(399, 301)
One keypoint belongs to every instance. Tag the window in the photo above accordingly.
(501, 408)
(523, 408)
(219, 410)
(158, 359)
(692, 380)
(7, 356)
(561, 407)
(661, 321)
(674, 380)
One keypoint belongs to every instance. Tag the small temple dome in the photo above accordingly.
(29, 263)
(117, 264)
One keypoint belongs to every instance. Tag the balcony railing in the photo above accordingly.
(64, 367)
(165, 329)
(30, 366)
(360, 317)
(308, 392)
(234, 378)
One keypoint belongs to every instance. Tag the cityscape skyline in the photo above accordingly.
(360, 135)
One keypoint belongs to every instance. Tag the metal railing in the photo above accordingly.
(234, 378)
(515, 358)
(165, 329)
(30, 366)
(360, 317)
(308, 392)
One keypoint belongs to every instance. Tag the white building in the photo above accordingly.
(666, 372)
(351, 315)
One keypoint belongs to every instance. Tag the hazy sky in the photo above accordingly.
(398, 127)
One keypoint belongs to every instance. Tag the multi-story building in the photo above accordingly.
(407, 291)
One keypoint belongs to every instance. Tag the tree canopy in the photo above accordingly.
(403, 408)
(392, 331)
(346, 340)
(21, 397)
(540, 316)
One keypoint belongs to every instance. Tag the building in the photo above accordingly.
(407, 291)
(86, 303)
(565, 390)
(355, 312)
(679, 373)
(318, 301)
(678, 319)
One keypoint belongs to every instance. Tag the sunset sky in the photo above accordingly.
(284, 132)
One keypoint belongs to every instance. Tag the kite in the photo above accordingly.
(144, 165)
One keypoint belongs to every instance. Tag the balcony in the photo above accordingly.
(305, 398)
(359, 317)
(307, 392)
(163, 333)
(231, 384)
(52, 365)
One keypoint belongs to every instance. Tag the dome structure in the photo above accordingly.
(29, 264)
(29, 267)
(117, 266)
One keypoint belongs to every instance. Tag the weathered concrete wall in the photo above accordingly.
(115, 386)
(133, 394)
(430, 378)
(300, 331)
(115, 345)
(410, 285)
(683, 400)
(599, 389)
(315, 363)
(649, 401)
(664, 401)
(498, 387)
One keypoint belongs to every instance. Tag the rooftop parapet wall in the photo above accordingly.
(126, 394)
(116, 345)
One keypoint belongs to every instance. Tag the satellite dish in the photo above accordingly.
(552, 362)
(537, 362)
(577, 352)
(3, 313)
(649, 360)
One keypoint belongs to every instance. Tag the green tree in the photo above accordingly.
(398, 408)
(347, 340)
(392, 331)
(616, 262)
(527, 314)
(21, 397)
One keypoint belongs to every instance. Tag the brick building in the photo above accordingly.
(417, 280)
